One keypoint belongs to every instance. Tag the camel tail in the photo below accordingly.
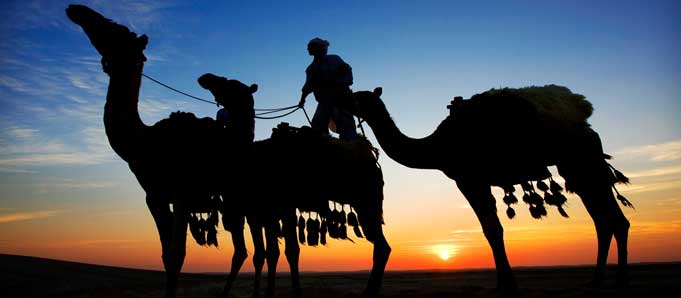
(588, 168)
(618, 177)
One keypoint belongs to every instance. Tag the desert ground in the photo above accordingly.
(35, 277)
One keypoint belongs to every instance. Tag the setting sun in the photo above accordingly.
(444, 251)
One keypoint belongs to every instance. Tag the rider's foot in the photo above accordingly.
(113, 41)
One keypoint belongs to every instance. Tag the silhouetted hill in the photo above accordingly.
(36, 277)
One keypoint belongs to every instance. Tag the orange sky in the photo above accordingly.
(418, 232)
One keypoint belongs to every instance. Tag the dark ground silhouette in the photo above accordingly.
(20, 275)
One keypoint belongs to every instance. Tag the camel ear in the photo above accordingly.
(253, 88)
(378, 91)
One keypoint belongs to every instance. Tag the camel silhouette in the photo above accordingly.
(196, 166)
(506, 137)
(306, 170)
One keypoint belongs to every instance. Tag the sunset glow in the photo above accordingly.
(444, 251)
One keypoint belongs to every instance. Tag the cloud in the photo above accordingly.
(18, 155)
(648, 187)
(14, 84)
(70, 184)
(663, 152)
(665, 171)
(22, 216)
(23, 133)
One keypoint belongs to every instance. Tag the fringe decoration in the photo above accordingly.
(562, 212)
(352, 219)
(357, 231)
(622, 199)
(555, 187)
(212, 238)
(619, 177)
(301, 229)
(195, 230)
(510, 199)
(322, 234)
(510, 212)
(354, 223)
(312, 232)
(542, 186)
(203, 231)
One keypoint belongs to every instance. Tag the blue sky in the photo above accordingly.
(54, 157)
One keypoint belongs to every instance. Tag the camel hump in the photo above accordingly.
(555, 106)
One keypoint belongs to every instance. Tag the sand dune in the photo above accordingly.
(35, 277)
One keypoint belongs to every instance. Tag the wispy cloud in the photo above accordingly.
(22, 216)
(649, 187)
(51, 185)
(665, 171)
(670, 151)
(18, 155)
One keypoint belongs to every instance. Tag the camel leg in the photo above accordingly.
(621, 228)
(482, 201)
(258, 254)
(164, 220)
(240, 255)
(380, 260)
(609, 220)
(174, 253)
(272, 237)
(292, 252)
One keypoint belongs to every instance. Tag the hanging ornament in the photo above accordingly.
(322, 234)
(301, 229)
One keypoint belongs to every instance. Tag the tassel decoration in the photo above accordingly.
(536, 199)
(352, 219)
(322, 232)
(541, 185)
(562, 212)
(550, 199)
(620, 178)
(624, 201)
(555, 187)
(343, 232)
(312, 233)
(357, 231)
(510, 212)
(560, 199)
(510, 199)
(212, 238)
(535, 212)
(301, 229)
(526, 198)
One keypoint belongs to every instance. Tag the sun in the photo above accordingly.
(444, 251)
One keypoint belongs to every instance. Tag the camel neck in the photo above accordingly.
(414, 153)
(122, 121)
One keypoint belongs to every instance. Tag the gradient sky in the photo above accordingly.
(65, 194)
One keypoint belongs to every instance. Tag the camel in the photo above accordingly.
(307, 171)
(179, 162)
(507, 137)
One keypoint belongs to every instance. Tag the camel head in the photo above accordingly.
(367, 103)
(228, 93)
